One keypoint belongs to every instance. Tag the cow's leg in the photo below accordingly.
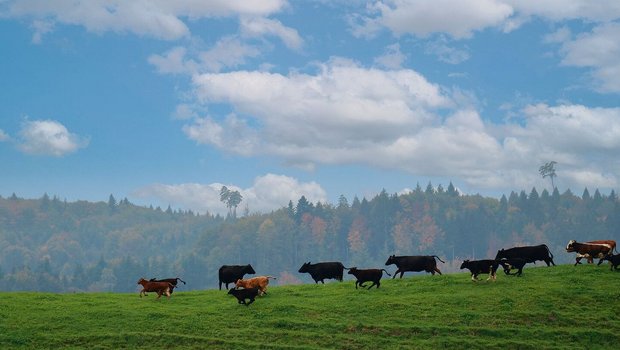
(600, 262)
(373, 284)
(356, 284)
(396, 273)
(577, 261)
(251, 301)
(437, 270)
(473, 277)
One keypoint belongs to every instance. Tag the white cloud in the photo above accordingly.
(394, 119)
(269, 192)
(3, 136)
(393, 58)
(172, 62)
(559, 10)
(48, 137)
(228, 52)
(337, 115)
(559, 36)
(446, 53)
(41, 28)
(460, 19)
(161, 19)
(600, 51)
(464, 17)
(259, 27)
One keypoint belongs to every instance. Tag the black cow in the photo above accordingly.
(414, 263)
(172, 281)
(242, 294)
(528, 253)
(323, 270)
(613, 259)
(232, 273)
(477, 267)
(514, 263)
(367, 275)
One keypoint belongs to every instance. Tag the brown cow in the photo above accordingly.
(259, 282)
(590, 250)
(158, 287)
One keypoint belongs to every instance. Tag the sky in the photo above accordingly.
(164, 102)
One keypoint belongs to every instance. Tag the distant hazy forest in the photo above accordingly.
(48, 244)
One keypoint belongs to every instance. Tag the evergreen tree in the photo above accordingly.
(586, 195)
(452, 190)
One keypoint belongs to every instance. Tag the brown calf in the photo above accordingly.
(157, 287)
(259, 282)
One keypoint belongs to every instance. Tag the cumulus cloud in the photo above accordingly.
(396, 119)
(162, 19)
(445, 52)
(465, 17)
(268, 192)
(48, 137)
(393, 58)
(228, 52)
(331, 116)
(259, 27)
(422, 18)
(598, 50)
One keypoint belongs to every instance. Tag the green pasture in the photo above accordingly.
(548, 308)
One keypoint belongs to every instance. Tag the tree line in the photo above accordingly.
(52, 245)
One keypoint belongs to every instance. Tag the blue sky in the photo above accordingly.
(164, 102)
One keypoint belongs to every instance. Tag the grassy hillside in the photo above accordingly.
(558, 307)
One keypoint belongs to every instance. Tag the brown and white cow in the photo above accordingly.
(591, 250)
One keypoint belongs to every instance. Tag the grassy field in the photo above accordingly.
(557, 307)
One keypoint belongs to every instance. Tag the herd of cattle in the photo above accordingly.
(510, 259)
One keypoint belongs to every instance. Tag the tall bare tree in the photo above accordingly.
(548, 170)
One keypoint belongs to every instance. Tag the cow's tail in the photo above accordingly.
(549, 251)
(439, 259)
(386, 272)
(273, 278)
(178, 279)
(344, 267)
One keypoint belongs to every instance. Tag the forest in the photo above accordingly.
(48, 244)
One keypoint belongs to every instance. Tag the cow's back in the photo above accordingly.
(528, 253)
(230, 273)
(415, 262)
(330, 269)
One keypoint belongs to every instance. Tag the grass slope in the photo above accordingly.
(558, 307)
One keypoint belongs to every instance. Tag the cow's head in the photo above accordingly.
(570, 247)
(249, 270)
(500, 254)
(391, 260)
(352, 270)
(465, 264)
(304, 268)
